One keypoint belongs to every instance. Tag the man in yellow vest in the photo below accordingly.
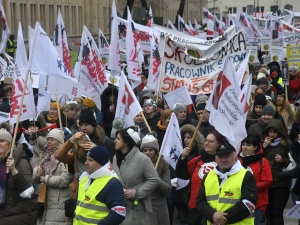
(100, 194)
(228, 193)
(11, 46)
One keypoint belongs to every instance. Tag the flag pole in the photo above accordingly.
(19, 115)
(197, 128)
(60, 124)
(149, 129)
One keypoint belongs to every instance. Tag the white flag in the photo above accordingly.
(226, 114)
(5, 29)
(171, 147)
(170, 25)
(103, 47)
(60, 43)
(245, 96)
(150, 18)
(133, 52)
(114, 47)
(155, 63)
(127, 106)
(92, 71)
(53, 73)
(180, 95)
(20, 69)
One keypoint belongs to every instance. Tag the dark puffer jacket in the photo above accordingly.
(283, 148)
(18, 210)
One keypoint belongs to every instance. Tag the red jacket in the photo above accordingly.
(197, 169)
(263, 176)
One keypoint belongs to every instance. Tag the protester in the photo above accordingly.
(137, 175)
(69, 111)
(294, 83)
(255, 110)
(252, 158)
(285, 109)
(141, 124)
(195, 169)
(276, 148)
(54, 175)
(17, 199)
(205, 127)
(11, 45)
(100, 196)
(160, 214)
(52, 115)
(182, 114)
(162, 125)
(151, 113)
(90, 104)
(228, 179)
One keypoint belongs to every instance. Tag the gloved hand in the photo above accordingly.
(174, 182)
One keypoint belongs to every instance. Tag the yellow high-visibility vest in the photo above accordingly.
(88, 209)
(226, 197)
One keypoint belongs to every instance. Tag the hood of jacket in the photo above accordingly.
(199, 139)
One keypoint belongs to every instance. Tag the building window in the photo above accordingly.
(74, 31)
(42, 15)
(52, 17)
(80, 17)
(32, 15)
(262, 9)
(244, 9)
(232, 10)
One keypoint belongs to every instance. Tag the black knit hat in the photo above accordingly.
(260, 99)
(200, 106)
(99, 154)
(88, 116)
(268, 110)
(280, 92)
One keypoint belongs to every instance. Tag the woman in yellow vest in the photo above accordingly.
(228, 194)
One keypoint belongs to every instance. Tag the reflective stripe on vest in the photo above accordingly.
(10, 47)
(226, 197)
(88, 209)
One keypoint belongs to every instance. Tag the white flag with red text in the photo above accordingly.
(60, 43)
(114, 47)
(20, 69)
(127, 106)
(133, 53)
(54, 77)
(155, 63)
(226, 113)
(245, 96)
(5, 29)
(91, 70)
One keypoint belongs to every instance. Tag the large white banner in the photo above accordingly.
(199, 76)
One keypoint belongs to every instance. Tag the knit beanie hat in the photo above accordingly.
(260, 99)
(88, 116)
(134, 135)
(149, 141)
(200, 106)
(56, 134)
(88, 102)
(54, 105)
(262, 80)
(145, 73)
(99, 154)
(178, 107)
(268, 110)
(261, 75)
(117, 125)
(5, 135)
(280, 92)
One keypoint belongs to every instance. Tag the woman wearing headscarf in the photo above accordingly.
(195, 168)
(54, 175)
(160, 213)
(17, 203)
(137, 175)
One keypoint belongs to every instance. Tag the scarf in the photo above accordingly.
(247, 160)
(120, 157)
(276, 142)
(3, 176)
(104, 171)
(51, 119)
(205, 157)
(49, 162)
(160, 126)
(224, 176)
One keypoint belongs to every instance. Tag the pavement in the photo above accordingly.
(287, 220)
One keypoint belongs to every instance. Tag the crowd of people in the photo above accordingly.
(89, 169)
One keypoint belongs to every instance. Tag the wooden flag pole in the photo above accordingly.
(197, 128)
(19, 115)
(149, 129)
(60, 124)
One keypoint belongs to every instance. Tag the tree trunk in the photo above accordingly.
(130, 5)
(180, 12)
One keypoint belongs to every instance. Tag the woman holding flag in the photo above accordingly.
(195, 168)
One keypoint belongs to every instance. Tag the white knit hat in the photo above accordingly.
(5, 135)
(56, 134)
(260, 75)
(134, 135)
(149, 141)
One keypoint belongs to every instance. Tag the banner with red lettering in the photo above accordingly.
(199, 75)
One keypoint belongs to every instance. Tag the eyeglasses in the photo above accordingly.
(209, 141)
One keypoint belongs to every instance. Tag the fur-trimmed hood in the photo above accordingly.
(199, 139)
